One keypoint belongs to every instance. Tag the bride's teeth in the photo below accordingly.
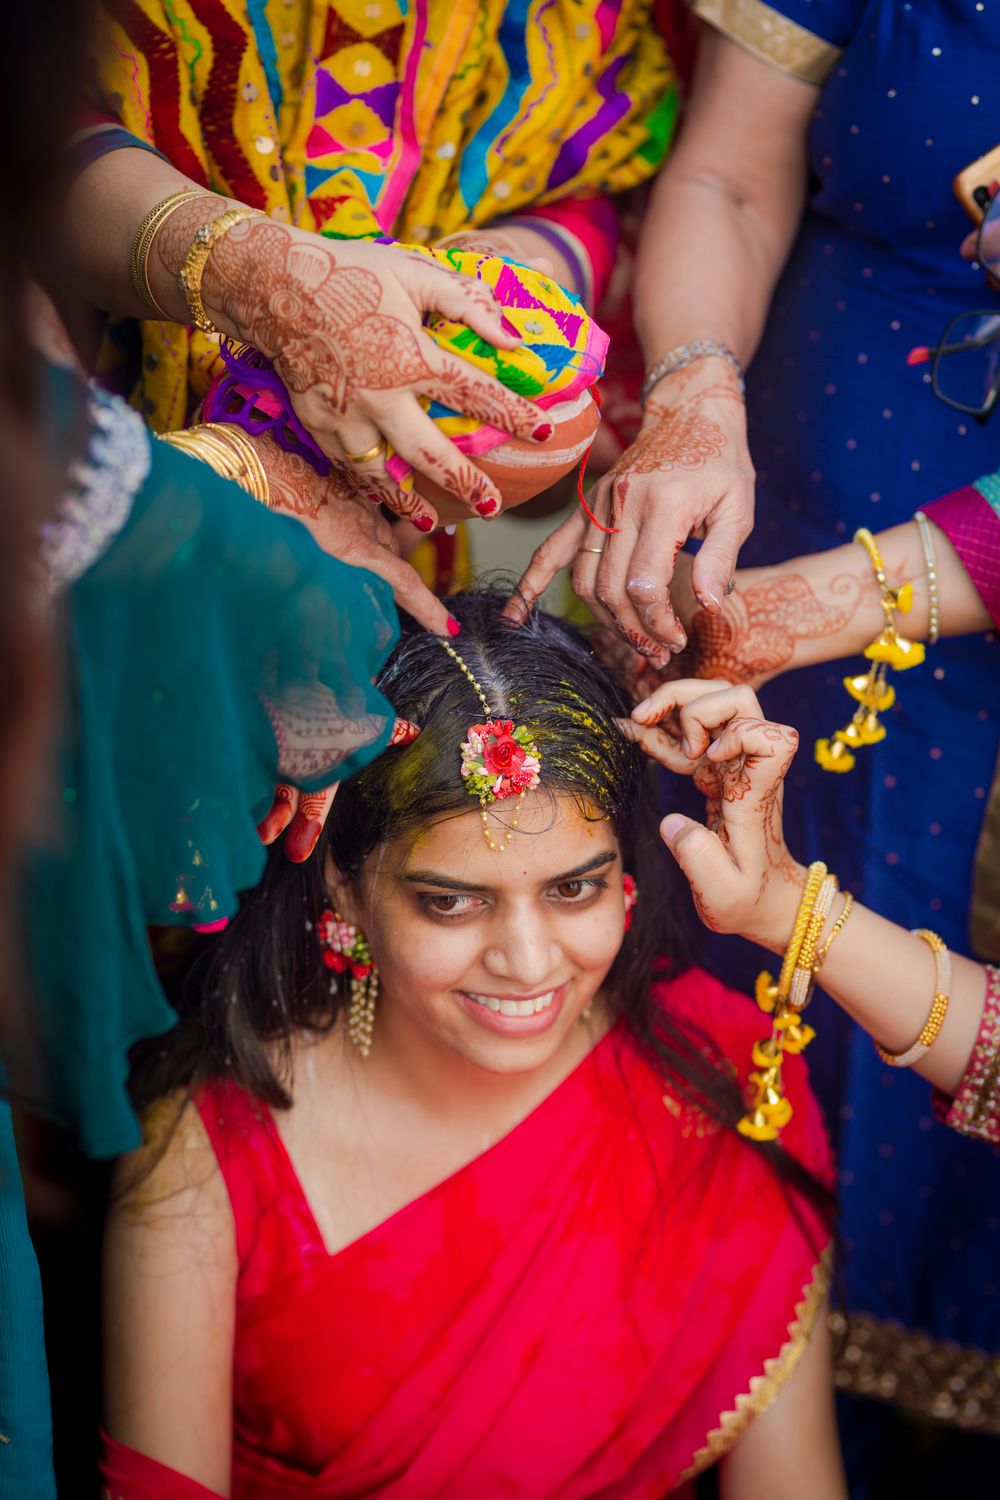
(514, 1007)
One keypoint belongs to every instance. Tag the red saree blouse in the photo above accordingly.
(597, 1305)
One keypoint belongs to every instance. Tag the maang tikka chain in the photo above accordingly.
(499, 759)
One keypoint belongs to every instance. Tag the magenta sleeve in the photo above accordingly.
(975, 1109)
(970, 519)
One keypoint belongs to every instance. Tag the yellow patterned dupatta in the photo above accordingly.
(363, 117)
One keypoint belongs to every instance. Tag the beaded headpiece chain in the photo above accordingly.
(499, 759)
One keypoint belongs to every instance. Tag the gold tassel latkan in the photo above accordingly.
(871, 691)
(769, 1110)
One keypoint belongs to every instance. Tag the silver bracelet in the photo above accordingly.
(934, 601)
(686, 354)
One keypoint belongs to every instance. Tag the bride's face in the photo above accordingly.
(494, 955)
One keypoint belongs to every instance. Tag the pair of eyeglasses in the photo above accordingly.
(965, 369)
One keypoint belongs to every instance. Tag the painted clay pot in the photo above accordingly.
(521, 468)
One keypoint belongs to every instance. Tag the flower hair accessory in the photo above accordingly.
(499, 759)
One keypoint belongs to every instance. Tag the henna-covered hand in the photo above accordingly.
(688, 474)
(349, 528)
(772, 617)
(343, 323)
(304, 814)
(741, 874)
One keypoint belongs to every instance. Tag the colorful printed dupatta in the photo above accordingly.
(597, 1305)
(364, 117)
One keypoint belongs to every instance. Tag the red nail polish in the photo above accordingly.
(509, 327)
(454, 627)
(423, 523)
(487, 507)
(543, 432)
(302, 838)
(277, 819)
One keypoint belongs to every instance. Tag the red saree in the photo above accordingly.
(597, 1305)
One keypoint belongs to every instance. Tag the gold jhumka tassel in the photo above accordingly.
(783, 1000)
(871, 690)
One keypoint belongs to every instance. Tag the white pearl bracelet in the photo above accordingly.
(686, 354)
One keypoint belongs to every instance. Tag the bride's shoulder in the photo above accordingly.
(724, 1024)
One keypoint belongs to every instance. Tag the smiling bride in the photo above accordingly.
(443, 1195)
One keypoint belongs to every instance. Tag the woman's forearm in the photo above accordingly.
(826, 606)
(724, 211)
(103, 211)
(884, 977)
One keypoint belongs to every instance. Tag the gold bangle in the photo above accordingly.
(234, 436)
(143, 243)
(770, 1110)
(835, 931)
(228, 451)
(939, 1005)
(369, 455)
(193, 270)
(815, 876)
(800, 991)
(201, 445)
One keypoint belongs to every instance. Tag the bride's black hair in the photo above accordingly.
(266, 980)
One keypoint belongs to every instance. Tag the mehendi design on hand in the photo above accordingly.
(682, 439)
(319, 321)
(755, 633)
(673, 437)
(460, 477)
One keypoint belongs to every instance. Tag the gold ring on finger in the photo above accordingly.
(598, 550)
(368, 456)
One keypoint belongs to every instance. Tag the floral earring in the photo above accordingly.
(631, 897)
(346, 949)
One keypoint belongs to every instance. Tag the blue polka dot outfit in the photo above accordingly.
(844, 434)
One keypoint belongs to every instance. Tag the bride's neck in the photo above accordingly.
(409, 1062)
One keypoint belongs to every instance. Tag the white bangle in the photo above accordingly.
(934, 602)
(939, 1006)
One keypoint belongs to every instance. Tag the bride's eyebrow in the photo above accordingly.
(448, 883)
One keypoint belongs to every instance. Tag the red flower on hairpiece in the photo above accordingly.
(499, 760)
(502, 755)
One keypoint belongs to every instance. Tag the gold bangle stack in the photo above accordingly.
(870, 690)
(193, 270)
(939, 1005)
(143, 243)
(835, 931)
(804, 974)
(771, 1110)
(228, 450)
